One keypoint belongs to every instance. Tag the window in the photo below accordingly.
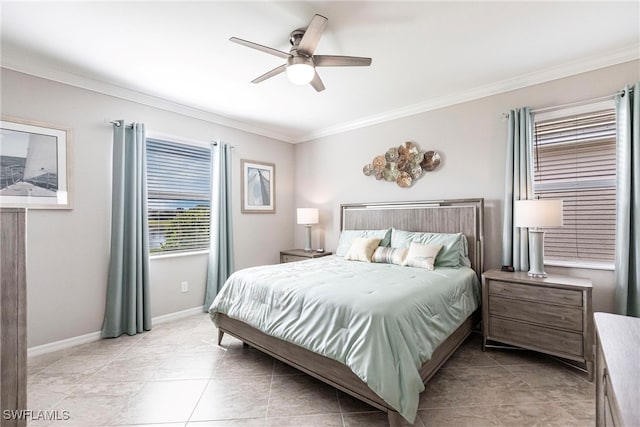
(179, 194)
(574, 159)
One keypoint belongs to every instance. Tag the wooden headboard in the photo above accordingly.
(437, 216)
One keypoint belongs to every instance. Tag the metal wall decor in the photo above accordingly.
(403, 164)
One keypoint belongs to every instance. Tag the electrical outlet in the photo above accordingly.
(184, 286)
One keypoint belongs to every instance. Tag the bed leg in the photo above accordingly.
(245, 345)
(395, 420)
(220, 335)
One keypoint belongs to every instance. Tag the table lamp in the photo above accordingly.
(306, 217)
(535, 214)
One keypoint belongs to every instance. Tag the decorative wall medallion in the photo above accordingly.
(404, 164)
(431, 160)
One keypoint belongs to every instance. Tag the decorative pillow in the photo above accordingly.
(453, 253)
(422, 256)
(347, 236)
(362, 249)
(390, 255)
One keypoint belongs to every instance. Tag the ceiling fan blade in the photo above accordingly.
(317, 83)
(270, 74)
(312, 35)
(340, 61)
(261, 48)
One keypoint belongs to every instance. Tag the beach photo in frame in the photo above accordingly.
(35, 169)
(258, 187)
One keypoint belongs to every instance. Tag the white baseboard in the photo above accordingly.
(177, 315)
(95, 336)
(62, 344)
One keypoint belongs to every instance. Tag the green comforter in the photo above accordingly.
(381, 320)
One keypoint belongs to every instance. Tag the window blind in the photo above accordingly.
(179, 194)
(575, 160)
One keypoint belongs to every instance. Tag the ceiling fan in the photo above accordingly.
(301, 62)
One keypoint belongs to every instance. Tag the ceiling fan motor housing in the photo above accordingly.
(295, 37)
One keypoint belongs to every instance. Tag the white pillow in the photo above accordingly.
(347, 236)
(422, 256)
(362, 249)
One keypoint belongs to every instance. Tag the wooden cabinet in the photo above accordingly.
(293, 255)
(552, 315)
(618, 370)
(13, 316)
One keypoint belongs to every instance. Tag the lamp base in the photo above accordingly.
(307, 240)
(536, 254)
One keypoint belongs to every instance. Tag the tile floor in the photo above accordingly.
(176, 375)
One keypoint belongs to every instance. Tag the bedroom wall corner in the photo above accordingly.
(471, 139)
(68, 250)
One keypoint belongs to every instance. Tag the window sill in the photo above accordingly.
(588, 265)
(176, 254)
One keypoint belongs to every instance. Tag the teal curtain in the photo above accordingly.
(518, 186)
(627, 297)
(127, 309)
(220, 264)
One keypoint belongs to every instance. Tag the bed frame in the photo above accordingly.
(443, 216)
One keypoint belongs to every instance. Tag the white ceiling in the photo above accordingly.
(425, 54)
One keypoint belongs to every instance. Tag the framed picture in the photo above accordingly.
(258, 187)
(35, 170)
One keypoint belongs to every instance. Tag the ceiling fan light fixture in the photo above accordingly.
(300, 70)
(301, 60)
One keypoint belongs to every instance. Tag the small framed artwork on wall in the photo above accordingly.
(258, 187)
(35, 165)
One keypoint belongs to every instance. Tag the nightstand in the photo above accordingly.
(552, 315)
(292, 255)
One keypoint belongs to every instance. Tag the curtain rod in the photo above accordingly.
(215, 143)
(575, 104)
(118, 123)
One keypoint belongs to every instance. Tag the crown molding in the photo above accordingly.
(620, 56)
(43, 69)
(39, 68)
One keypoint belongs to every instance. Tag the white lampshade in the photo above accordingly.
(537, 213)
(307, 216)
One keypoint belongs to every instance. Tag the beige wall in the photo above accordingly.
(68, 251)
(471, 139)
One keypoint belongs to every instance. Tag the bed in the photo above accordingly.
(387, 367)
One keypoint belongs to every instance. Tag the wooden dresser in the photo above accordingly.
(551, 315)
(13, 316)
(618, 370)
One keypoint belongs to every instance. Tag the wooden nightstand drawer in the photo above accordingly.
(536, 293)
(535, 337)
(293, 255)
(539, 313)
(292, 258)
